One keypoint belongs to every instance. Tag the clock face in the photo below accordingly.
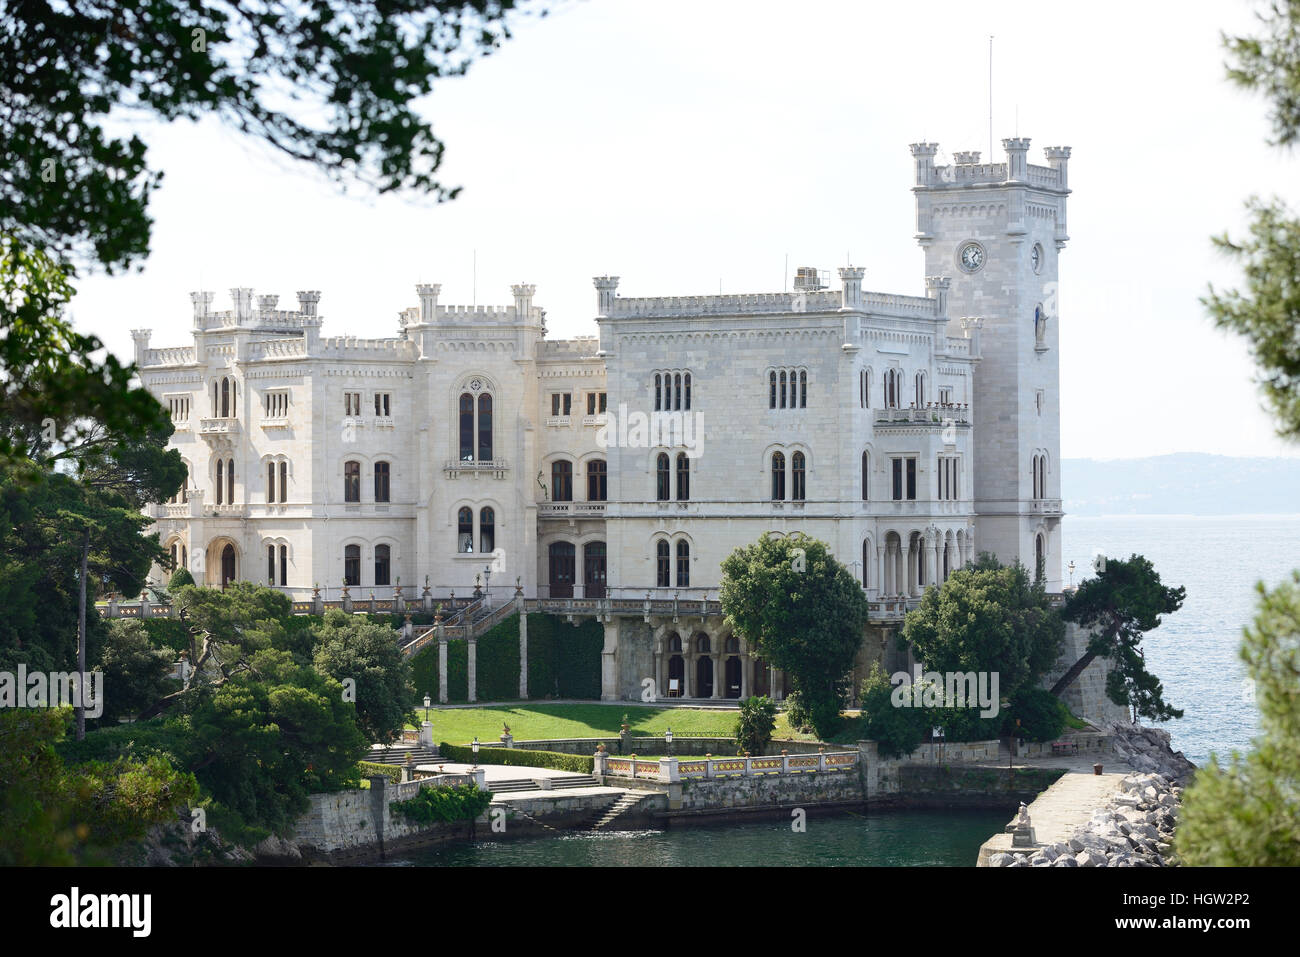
(971, 257)
(1036, 257)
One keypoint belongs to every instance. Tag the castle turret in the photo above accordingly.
(605, 295)
(141, 337)
(923, 153)
(308, 301)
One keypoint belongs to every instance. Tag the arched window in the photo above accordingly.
(284, 564)
(920, 390)
(597, 484)
(561, 481)
(485, 427)
(686, 381)
(866, 477)
(662, 564)
(803, 390)
(270, 483)
(891, 388)
(466, 427)
(221, 479)
(771, 390)
(382, 486)
(1040, 557)
(702, 644)
(661, 477)
(464, 530)
(778, 477)
(352, 565)
(677, 391)
(487, 529)
(351, 481)
(783, 388)
(225, 398)
(270, 565)
(683, 477)
(866, 563)
(230, 481)
(658, 392)
(683, 563)
(284, 481)
(797, 477)
(383, 564)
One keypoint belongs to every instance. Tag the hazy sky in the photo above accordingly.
(687, 146)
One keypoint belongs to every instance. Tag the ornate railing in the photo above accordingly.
(669, 770)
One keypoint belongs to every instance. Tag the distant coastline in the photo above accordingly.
(1186, 484)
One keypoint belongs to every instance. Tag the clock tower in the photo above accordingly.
(998, 229)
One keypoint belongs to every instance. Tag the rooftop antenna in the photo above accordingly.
(990, 97)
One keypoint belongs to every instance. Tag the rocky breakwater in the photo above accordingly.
(1135, 826)
(1134, 829)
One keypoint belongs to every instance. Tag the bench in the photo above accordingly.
(1065, 747)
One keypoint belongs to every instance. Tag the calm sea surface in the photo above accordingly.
(1194, 651)
(890, 839)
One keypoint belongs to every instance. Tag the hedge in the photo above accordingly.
(454, 802)
(391, 771)
(516, 757)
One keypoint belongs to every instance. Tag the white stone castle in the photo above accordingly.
(610, 475)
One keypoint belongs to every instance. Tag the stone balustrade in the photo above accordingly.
(674, 770)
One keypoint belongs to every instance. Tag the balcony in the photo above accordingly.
(223, 426)
(497, 468)
(1046, 506)
(931, 417)
(571, 510)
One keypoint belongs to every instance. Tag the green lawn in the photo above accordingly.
(529, 722)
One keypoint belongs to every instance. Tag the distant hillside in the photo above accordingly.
(1186, 483)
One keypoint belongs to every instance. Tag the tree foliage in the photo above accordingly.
(803, 611)
(1123, 602)
(1267, 311)
(331, 84)
(987, 618)
(1246, 812)
(348, 647)
(136, 674)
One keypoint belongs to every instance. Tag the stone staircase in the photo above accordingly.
(398, 753)
(625, 803)
(517, 785)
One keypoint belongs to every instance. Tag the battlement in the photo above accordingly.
(967, 170)
(352, 347)
(578, 347)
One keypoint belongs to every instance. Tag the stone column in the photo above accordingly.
(900, 569)
(523, 648)
(661, 685)
(609, 663)
(716, 659)
(746, 665)
(442, 669)
(688, 673)
(931, 558)
(473, 670)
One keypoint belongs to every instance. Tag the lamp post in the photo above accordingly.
(668, 740)
(428, 703)
(474, 748)
(487, 586)
(1070, 566)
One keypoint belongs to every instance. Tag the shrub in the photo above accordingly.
(796, 714)
(456, 802)
(369, 769)
(896, 731)
(518, 757)
(180, 578)
(755, 724)
(1042, 715)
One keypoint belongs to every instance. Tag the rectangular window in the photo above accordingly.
(911, 480)
(945, 396)
(555, 403)
(566, 403)
(351, 403)
(383, 404)
(591, 403)
(897, 466)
